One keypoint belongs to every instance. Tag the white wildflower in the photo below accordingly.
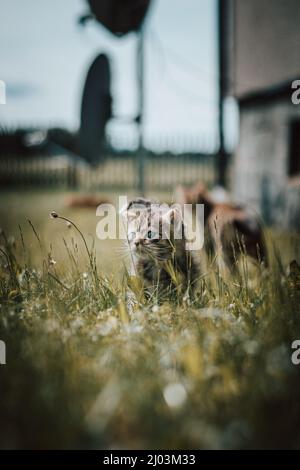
(175, 395)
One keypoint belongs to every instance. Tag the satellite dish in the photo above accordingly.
(96, 110)
(120, 16)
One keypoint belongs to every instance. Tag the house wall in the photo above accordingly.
(260, 170)
(266, 44)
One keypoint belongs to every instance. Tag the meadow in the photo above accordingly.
(83, 372)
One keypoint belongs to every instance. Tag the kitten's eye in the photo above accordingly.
(151, 235)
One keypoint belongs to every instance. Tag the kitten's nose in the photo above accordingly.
(138, 241)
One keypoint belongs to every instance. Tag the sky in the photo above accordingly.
(45, 55)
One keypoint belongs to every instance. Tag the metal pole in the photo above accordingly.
(140, 77)
(222, 20)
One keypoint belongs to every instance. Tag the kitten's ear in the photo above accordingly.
(174, 215)
(128, 214)
(131, 214)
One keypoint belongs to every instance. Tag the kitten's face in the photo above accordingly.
(149, 234)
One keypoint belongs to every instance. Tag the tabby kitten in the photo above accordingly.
(158, 257)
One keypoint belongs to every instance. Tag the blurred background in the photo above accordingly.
(46, 53)
(144, 95)
(100, 98)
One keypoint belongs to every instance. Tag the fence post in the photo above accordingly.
(72, 176)
(141, 150)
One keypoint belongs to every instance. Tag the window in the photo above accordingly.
(294, 157)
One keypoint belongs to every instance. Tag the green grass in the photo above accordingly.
(83, 373)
